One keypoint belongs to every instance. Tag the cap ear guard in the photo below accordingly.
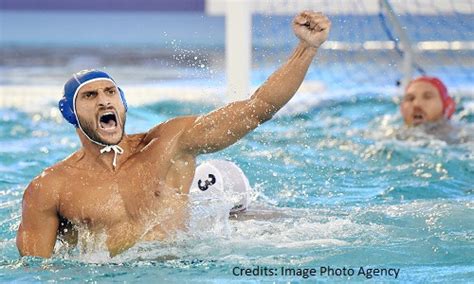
(67, 111)
(122, 96)
(449, 107)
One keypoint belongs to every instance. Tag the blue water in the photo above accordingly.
(346, 193)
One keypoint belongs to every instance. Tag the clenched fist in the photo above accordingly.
(311, 28)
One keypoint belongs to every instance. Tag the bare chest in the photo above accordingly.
(145, 186)
(101, 199)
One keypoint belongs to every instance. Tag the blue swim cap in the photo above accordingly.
(72, 86)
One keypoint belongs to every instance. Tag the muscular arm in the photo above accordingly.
(37, 233)
(228, 124)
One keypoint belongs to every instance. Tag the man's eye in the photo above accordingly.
(408, 98)
(428, 96)
(111, 92)
(89, 95)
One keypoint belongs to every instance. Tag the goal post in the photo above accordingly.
(405, 38)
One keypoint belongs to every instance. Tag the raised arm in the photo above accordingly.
(37, 233)
(228, 124)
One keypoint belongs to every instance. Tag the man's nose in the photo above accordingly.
(416, 102)
(102, 100)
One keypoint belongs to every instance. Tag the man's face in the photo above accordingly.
(421, 103)
(100, 112)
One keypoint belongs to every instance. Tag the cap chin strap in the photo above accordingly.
(117, 151)
(107, 148)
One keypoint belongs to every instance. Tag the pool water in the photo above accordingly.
(333, 187)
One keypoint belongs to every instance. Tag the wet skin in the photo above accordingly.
(145, 196)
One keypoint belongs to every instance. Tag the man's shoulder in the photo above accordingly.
(50, 177)
(43, 190)
(55, 175)
(64, 169)
(170, 128)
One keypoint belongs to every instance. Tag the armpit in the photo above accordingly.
(67, 232)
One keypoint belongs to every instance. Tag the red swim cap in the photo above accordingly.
(449, 106)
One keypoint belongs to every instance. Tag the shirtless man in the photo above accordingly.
(130, 188)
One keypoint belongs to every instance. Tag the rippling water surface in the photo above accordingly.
(332, 186)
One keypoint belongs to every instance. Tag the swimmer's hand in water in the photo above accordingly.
(312, 28)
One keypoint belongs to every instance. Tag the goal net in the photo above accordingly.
(372, 44)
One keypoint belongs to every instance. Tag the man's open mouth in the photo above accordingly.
(418, 118)
(108, 120)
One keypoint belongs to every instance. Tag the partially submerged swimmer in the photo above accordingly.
(426, 100)
(427, 106)
(130, 188)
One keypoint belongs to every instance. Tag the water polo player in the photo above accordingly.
(129, 188)
(427, 108)
(426, 100)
